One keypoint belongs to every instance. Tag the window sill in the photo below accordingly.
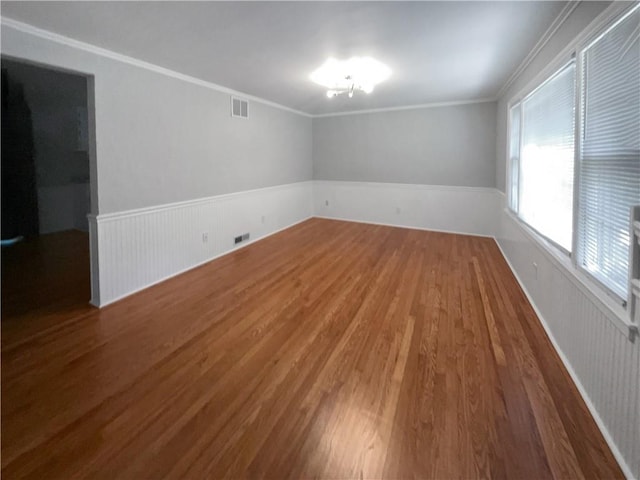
(618, 315)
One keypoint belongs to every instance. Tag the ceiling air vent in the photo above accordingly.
(239, 107)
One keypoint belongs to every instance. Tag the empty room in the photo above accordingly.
(341, 240)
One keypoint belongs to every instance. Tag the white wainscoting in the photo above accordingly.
(603, 363)
(468, 210)
(139, 248)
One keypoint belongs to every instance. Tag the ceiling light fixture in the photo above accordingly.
(347, 76)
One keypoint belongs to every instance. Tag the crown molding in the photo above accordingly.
(103, 52)
(553, 28)
(603, 21)
(406, 107)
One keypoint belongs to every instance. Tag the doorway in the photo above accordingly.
(46, 191)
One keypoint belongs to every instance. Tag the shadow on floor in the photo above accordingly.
(45, 275)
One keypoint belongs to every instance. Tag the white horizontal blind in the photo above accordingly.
(514, 155)
(609, 172)
(545, 185)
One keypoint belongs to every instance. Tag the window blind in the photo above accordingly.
(545, 184)
(609, 171)
(514, 155)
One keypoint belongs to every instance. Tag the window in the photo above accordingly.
(514, 154)
(542, 151)
(609, 165)
(543, 147)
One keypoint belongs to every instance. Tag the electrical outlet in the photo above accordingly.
(237, 239)
(245, 236)
(205, 237)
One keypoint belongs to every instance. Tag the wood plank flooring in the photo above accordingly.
(329, 350)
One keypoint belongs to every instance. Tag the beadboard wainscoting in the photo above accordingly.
(136, 249)
(591, 341)
(139, 248)
(469, 210)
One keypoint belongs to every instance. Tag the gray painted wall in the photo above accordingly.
(161, 140)
(579, 19)
(453, 145)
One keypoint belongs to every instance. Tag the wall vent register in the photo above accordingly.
(239, 107)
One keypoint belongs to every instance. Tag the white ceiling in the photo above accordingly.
(437, 51)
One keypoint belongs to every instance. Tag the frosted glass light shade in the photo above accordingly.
(359, 73)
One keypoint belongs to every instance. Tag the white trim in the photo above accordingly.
(556, 73)
(406, 186)
(107, 217)
(626, 470)
(508, 174)
(601, 33)
(103, 52)
(139, 248)
(407, 107)
(408, 227)
(616, 313)
(580, 40)
(444, 208)
(94, 260)
(184, 270)
(70, 42)
(546, 36)
(608, 17)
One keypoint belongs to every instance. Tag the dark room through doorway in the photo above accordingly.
(46, 191)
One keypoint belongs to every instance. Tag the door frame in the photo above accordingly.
(93, 168)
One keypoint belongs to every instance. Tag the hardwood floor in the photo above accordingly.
(330, 350)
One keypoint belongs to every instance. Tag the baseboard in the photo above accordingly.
(442, 208)
(626, 470)
(199, 264)
(409, 227)
(214, 257)
(139, 248)
(576, 380)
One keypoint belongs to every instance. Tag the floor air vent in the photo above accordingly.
(241, 238)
